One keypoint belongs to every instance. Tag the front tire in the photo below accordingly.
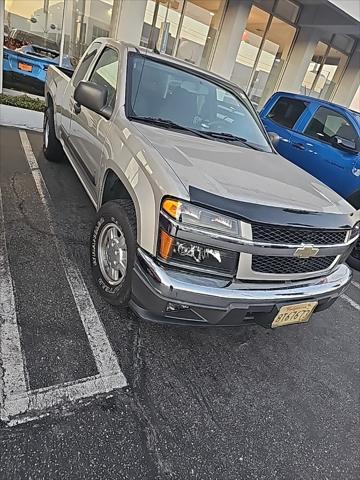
(113, 250)
(354, 259)
(52, 148)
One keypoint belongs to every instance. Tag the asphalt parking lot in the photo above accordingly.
(87, 391)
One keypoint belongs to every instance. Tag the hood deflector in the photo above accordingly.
(286, 217)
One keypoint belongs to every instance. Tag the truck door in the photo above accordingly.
(281, 118)
(315, 152)
(89, 129)
(67, 101)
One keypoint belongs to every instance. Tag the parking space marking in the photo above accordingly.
(356, 284)
(351, 302)
(110, 376)
(105, 358)
(13, 379)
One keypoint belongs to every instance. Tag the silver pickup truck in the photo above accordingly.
(199, 221)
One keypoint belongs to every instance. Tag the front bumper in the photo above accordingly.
(162, 294)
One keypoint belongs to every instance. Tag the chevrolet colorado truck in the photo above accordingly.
(196, 223)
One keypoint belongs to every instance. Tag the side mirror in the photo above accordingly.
(93, 97)
(344, 144)
(274, 138)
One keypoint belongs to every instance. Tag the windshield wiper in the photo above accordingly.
(232, 138)
(162, 122)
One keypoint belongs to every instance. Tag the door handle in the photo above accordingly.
(77, 108)
(299, 146)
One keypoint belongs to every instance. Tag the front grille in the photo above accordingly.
(286, 265)
(297, 236)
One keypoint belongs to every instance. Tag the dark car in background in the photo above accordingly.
(322, 138)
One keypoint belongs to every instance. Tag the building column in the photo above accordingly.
(299, 60)
(229, 40)
(127, 20)
(350, 81)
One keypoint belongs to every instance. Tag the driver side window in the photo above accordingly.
(327, 123)
(105, 74)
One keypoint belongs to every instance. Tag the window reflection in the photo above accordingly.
(35, 37)
(263, 51)
(323, 71)
(274, 52)
(324, 85)
(200, 24)
(184, 28)
(249, 47)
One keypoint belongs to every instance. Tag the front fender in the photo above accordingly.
(145, 175)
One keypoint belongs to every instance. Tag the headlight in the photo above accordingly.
(196, 256)
(189, 214)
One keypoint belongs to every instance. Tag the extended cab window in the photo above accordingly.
(161, 91)
(85, 63)
(327, 123)
(105, 74)
(287, 111)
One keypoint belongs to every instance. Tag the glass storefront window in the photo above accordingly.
(324, 85)
(201, 21)
(161, 24)
(39, 33)
(323, 72)
(263, 51)
(87, 20)
(287, 10)
(33, 31)
(184, 28)
(274, 52)
(249, 47)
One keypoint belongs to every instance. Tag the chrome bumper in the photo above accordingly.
(168, 295)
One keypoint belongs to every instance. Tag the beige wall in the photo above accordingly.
(355, 104)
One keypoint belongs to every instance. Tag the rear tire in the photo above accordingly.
(113, 249)
(52, 148)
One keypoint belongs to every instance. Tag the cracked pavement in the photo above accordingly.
(208, 404)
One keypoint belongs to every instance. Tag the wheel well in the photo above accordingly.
(114, 189)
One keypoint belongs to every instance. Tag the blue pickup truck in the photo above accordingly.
(320, 137)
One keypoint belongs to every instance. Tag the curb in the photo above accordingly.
(21, 118)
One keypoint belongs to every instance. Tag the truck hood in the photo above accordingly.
(240, 173)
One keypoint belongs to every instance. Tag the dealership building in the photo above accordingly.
(307, 46)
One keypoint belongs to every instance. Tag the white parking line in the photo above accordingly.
(356, 284)
(13, 378)
(110, 375)
(351, 302)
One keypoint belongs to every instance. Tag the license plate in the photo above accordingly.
(290, 314)
(25, 67)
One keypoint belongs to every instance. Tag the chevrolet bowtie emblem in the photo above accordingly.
(306, 251)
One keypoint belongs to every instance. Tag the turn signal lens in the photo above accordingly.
(172, 207)
(166, 244)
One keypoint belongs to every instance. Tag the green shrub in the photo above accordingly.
(23, 101)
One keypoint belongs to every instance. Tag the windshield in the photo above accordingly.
(161, 91)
